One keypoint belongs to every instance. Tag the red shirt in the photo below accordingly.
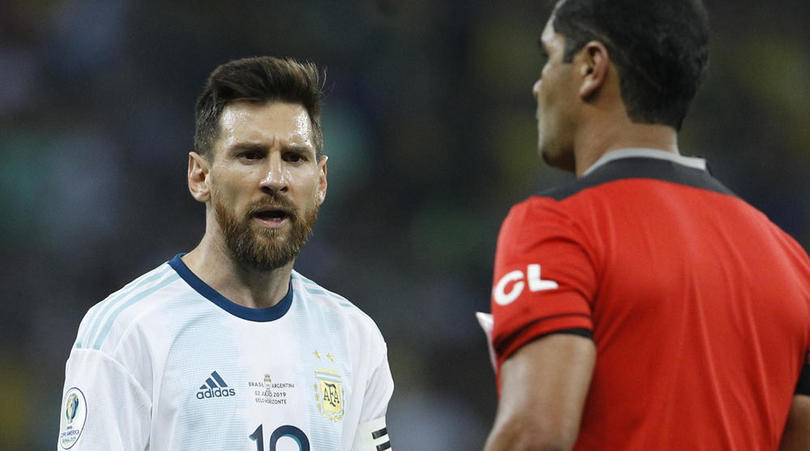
(698, 305)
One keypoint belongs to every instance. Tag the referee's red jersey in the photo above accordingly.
(698, 305)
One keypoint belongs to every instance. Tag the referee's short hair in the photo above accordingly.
(257, 79)
(660, 48)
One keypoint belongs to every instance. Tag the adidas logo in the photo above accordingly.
(215, 387)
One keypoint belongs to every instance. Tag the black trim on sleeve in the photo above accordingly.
(803, 387)
(578, 331)
(506, 342)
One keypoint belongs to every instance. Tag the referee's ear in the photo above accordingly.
(197, 177)
(593, 63)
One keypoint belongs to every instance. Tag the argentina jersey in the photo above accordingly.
(168, 363)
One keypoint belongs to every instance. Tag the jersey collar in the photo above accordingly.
(251, 314)
(638, 152)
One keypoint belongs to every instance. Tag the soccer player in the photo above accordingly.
(227, 347)
(643, 306)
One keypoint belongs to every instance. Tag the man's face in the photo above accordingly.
(556, 99)
(265, 181)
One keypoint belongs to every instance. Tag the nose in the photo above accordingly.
(536, 88)
(275, 178)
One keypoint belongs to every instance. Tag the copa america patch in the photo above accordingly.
(74, 414)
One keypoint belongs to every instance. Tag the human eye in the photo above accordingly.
(294, 156)
(250, 155)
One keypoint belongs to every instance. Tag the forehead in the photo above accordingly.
(548, 36)
(263, 123)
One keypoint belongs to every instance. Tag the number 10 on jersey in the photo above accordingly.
(287, 430)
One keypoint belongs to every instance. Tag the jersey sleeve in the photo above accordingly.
(544, 277)
(103, 406)
(372, 432)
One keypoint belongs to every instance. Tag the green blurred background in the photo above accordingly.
(429, 125)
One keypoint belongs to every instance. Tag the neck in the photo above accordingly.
(212, 262)
(600, 137)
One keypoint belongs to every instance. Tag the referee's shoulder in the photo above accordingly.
(547, 202)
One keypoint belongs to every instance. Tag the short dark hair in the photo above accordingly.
(258, 79)
(659, 47)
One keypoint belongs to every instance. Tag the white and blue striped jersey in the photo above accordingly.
(168, 363)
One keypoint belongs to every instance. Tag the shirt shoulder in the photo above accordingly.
(334, 306)
(106, 323)
(542, 222)
(526, 214)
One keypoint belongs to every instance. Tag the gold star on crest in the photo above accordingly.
(317, 355)
(330, 357)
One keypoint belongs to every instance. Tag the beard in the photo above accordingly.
(260, 248)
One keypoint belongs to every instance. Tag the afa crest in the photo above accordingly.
(329, 394)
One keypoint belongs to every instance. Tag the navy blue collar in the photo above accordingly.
(251, 314)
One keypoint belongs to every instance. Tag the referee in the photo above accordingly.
(643, 306)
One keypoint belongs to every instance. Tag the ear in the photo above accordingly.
(198, 173)
(593, 63)
(322, 179)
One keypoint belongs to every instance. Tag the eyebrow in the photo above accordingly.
(247, 146)
(263, 148)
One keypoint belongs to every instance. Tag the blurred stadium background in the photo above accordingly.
(429, 125)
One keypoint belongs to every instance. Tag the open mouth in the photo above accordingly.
(272, 215)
